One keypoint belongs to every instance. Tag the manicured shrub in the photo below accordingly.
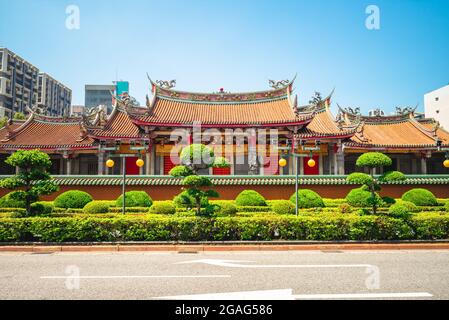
(360, 197)
(9, 201)
(307, 199)
(72, 199)
(253, 209)
(420, 197)
(331, 227)
(283, 207)
(333, 202)
(135, 199)
(409, 205)
(392, 176)
(225, 207)
(399, 211)
(163, 207)
(95, 207)
(37, 209)
(388, 201)
(447, 206)
(48, 206)
(184, 200)
(250, 198)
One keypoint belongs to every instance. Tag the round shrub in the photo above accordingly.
(373, 160)
(48, 206)
(225, 207)
(447, 206)
(8, 201)
(307, 199)
(37, 209)
(72, 199)
(163, 207)
(135, 199)
(420, 197)
(393, 176)
(399, 211)
(96, 207)
(409, 205)
(360, 197)
(184, 200)
(283, 207)
(250, 198)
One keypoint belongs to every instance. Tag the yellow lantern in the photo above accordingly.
(140, 163)
(282, 162)
(110, 163)
(446, 163)
(311, 163)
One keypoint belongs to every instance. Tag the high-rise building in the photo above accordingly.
(22, 86)
(436, 105)
(77, 110)
(54, 98)
(18, 84)
(96, 95)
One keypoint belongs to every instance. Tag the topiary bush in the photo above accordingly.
(283, 207)
(225, 207)
(447, 206)
(307, 199)
(250, 198)
(48, 206)
(72, 199)
(409, 205)
(360, 197)
(163, 207)
(399, 211)
(97, 207)
(388, 201)
(9, 201)
(420, 197)
(135, 199)
(184, 200)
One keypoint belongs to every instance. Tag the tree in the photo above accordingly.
(194, 158)
(373, 160)
(19, 116)
(32, 178)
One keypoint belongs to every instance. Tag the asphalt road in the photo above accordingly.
(404, 274)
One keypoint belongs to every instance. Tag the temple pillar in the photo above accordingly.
(61, 165)
(252, 154)
(320, 164)
(148, 165)
(340, 163)
(69, 166)
(301, 165)
(423, 165)
(100, 163)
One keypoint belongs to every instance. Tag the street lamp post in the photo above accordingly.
(311, 163)
(110, 163)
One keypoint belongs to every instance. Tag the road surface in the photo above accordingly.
(392, 274)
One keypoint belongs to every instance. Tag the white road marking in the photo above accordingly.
(363, 295)
(135, 277)
(235, 264)
(287, 294)
(282, 294)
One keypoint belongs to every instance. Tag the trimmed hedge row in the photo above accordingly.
(322, 227)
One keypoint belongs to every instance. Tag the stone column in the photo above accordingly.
(423, 165)
(100, 163)
(340, 162)
(320, 164)
(69, 166)
(252, 153)
(148, 159)
(61, 165)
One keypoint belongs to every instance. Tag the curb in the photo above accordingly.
(193, 248)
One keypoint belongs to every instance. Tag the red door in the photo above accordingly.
(221, 171)
(312, 170)
(131, 167)
(168, 164)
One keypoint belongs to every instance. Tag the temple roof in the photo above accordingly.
(402, 130)
(117, 125)
(44, 133)
(178, 108)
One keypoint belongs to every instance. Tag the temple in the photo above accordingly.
(234, 124)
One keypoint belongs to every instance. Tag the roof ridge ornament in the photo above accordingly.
(166, 84)
(279, 84)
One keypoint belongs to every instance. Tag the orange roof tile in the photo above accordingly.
(46, 133)
(118, 125)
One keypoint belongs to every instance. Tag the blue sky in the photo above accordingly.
(239, 45)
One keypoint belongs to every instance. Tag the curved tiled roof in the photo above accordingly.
(272, 107)
(324, 125)
(46, 133)
(118, 125)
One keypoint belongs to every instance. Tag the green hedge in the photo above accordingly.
(75, 199)
(7, 201)
(420, 197)
(250, 198)
(285, 227)
(307, 199)
(135, 199)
